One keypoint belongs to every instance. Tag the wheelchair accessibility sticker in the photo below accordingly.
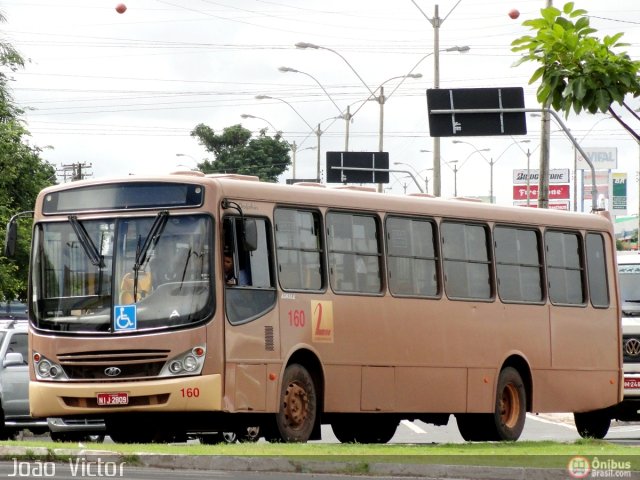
(125, 317)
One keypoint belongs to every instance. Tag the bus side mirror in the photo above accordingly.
(11, 239)
(249, 235)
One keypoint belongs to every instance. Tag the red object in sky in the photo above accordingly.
(121, 8)
(514, 13)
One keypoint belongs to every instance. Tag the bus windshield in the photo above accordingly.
(88, 272)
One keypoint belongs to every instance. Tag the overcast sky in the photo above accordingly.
(123, 91)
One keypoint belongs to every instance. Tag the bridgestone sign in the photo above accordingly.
(556, 175)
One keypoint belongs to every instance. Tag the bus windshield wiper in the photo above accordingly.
(152, 238)
(85, 241)
(141, 250)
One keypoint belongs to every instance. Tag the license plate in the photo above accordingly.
(632, 383)
(108, 399)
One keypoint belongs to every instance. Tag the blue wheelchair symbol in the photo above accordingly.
(125, 317)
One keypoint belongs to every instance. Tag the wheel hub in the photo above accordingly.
(295, 404)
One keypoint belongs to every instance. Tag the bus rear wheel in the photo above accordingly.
(364, 428)
(507, 420)
(592, 424)
(511, 405)
(298, 411)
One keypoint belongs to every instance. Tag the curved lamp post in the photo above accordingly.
(346, 116)
(318, 132)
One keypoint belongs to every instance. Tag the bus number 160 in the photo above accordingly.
(190, 392)
(296, 318)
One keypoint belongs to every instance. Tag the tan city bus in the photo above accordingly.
(213, 303)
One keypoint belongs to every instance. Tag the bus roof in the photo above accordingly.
(242, 187)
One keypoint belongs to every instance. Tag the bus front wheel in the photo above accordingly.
(592, 424)
(298, 405)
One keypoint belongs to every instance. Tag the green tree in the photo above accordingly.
(578, 71)
(236, 152)
(24, 174)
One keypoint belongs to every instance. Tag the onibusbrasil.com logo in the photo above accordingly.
(582, 467)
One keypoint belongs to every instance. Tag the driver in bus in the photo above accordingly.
(229, 273)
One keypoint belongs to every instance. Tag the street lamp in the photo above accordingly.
(246, 115)
(491, 162)
(436, 22)
(426, 177)
(436, 140)
(188, 156)
(346, 116)
(455, 169)
(292, 146)
(317, 132)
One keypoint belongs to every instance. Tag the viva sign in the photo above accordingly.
(602, 158)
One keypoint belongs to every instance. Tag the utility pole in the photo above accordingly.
(72, 172)
(545, 144)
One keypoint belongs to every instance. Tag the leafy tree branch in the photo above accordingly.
(578, 71)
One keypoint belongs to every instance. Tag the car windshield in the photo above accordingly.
(629, 275)
(122, 275)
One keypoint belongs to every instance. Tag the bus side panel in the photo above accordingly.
(480, 390)
(585, 375)
(343, 388)
(572, 391)
(431, 389)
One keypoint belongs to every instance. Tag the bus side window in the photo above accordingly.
(565, 267)
(354, 252)
(246, 302)
(299, 249)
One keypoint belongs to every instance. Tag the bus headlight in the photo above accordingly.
(46, 369)
(187, 363)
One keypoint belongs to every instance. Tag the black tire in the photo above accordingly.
(211, 438)
(123, 430)
(59, 437)
(474, 426)
(249, 435)
(298, 411)
(507, 420)
(95, 438)
(376, 431)
(592, 424)
(511, 406)
(6, 433)
(229, 437)
(344, 432)
(364, 428)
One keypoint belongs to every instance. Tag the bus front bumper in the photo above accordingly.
(178, 394)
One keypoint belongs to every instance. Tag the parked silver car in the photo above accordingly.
(14, 392)
(14, 381)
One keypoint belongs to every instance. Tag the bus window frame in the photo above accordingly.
(583, 267)
(322, 249)
(493, 294)
(381, 252)
(606, 273)
(437, 255)
(239, 290)
(541, 263)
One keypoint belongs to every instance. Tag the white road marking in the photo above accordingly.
(539, 418)
(412, 426)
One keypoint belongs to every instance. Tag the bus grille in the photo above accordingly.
(132, 364)
(631, 348)
(128, 371)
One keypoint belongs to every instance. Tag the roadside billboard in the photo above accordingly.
(605, 158)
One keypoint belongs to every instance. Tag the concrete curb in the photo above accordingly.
(290, 465)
